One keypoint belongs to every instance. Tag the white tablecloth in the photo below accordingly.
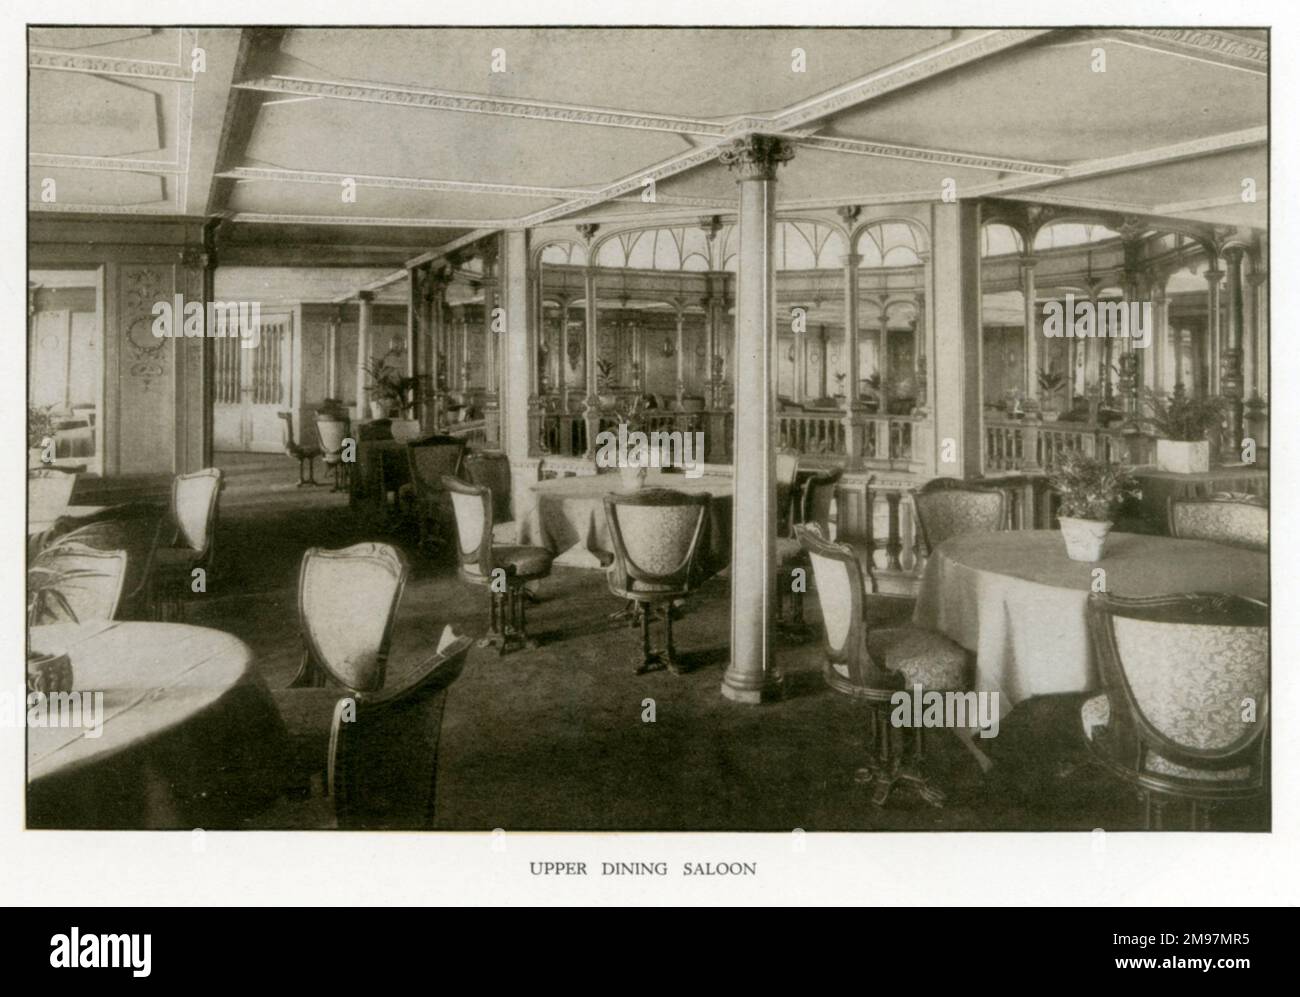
(1018, 602)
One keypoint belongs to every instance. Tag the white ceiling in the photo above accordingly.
(436, 141)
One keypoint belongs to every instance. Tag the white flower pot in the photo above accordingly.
(1084, 538)
(378, 410)
(1183, 457)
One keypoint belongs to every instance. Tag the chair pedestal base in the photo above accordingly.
(653, 659)
(507, 622)
(887, 769)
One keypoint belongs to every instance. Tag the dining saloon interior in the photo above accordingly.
(648, 429)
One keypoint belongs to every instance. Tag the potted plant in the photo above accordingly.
(606, 384)
(395, 393)
(1050, 383)
(1185, 425)
(1091, 490)
(40, 431)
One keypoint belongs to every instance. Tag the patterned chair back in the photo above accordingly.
(331, 433)
(76, 584)
(947, 507)
(490, 469)
(837, 577)
(347, 603)
(430, 459)
(194, 507)
(472, 506)
(1180, 672)
(657, 534)
(1226, 521)
(288, 441)
(48, 493)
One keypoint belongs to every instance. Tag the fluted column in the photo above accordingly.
(1213, 332)
(681, 352)
(852, 361)
(518, 348)
(591, 411)
(363, 353)
(752, 674)
(1028, 291)
(1231, 379)
(1155, 374)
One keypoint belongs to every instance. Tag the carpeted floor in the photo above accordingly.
(557, 739)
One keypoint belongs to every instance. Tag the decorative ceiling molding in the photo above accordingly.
(1228, 200)
(1223, 48)
(271, 219)
(449, 100)
(62, 161)
(433, 256)
(58, 60)
(634, 181)
(940, 157)
(397, 183)
(909, 72)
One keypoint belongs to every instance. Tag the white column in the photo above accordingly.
(517, 346)
(1213, 343)
(956, 363)
(752, 675)
(1028, 292)
(363, 354)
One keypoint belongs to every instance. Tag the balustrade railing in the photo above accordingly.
(812, 432)
(1015, 446)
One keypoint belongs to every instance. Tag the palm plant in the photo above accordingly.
(1187, 419)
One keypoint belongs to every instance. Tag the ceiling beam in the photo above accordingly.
(432, 256)
(397, 183)
(240, 118)
(1222, 48)
(472, 103)
(937, 157)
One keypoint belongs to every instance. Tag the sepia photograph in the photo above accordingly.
(589, 428)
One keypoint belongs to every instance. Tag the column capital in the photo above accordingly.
(1213, 277)
(1028, 262)
(756, 157)
(850, 260)
(366, 296)
(1234, 254)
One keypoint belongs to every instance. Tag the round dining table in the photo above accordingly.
(176, 729)
(567, 516)
(1017, 601)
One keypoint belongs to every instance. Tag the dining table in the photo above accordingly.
(567, 516)
(175, 729)
(1158, 487)
(1019, 603)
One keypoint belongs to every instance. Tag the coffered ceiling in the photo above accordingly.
(425, 137)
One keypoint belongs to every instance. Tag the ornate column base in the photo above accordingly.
(743, 687)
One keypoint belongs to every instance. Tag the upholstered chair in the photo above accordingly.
(49, 490)
(787, 473)
(658, 534)
(1236, 522)
(376, 752)
(304, 455)
(194, 517)
(503, 569)
(946, 507)
(490, 469)
(331, 431)
(70, 583)
(347, 605)
(813, 505)
(135, 529)
(429, 460)
(871, 664)
(1184, 715)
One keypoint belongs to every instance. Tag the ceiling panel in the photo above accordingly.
(98, 188)
(278, 197)
(1044, 103)
(450, 145)
(82, 115)
(688, 71)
